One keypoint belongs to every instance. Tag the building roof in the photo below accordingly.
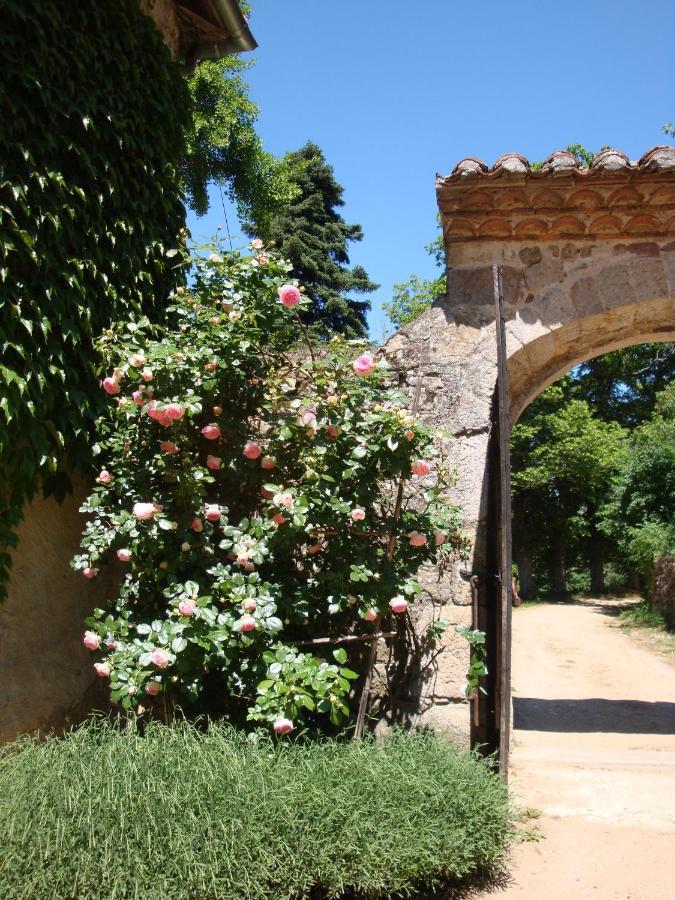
(562, 162)
(614, 197)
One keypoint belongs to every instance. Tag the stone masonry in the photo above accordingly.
(589, 266)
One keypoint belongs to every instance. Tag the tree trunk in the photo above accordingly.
(634, 580)
(596, 563)
(525, 582)
(559, 569)
(596, 548)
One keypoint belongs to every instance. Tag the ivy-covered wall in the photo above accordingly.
(92, 111)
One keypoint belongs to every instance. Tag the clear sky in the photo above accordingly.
(396, 91)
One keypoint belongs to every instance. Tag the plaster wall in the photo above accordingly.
(46, 676)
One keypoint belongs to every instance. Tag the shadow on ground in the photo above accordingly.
(594, 714)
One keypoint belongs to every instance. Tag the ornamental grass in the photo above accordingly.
(179, 812)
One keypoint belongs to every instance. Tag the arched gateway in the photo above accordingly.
(587, 258)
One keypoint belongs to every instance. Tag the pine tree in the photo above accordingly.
(313, 236)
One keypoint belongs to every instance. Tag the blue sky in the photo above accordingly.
(396, 91)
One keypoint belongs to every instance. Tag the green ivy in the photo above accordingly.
(93, 112)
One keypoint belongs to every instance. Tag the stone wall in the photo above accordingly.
(663, 590)
(46, 676)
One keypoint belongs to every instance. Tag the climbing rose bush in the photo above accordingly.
(257, 493)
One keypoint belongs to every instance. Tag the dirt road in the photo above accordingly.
(594, 752)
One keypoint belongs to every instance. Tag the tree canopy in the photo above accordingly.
(311, 233)
(223, 146)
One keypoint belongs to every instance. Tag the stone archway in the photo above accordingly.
(588, 257)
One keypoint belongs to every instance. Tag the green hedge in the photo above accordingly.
(92, 111)
(178, 813)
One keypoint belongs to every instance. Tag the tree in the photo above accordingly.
(310, 232)
(622, 386)
(223, 147)
(414, 296)
(639, 514)
(564, 459)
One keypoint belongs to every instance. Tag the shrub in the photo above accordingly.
(260, 493)
(177, 813)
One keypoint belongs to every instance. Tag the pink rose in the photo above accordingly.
(267, 463)
(417, 539)
(112, 644)
(197, 525)
(234, 315)
(187, 607)
(256, 243)
(247, 623)
(250, 605)
(287, 500)
(110, 386)
(164, 565)
(217, 410)
(214, 320)
(398, 604)
(118, 374)
(91, 640)
(89, 572)
(252, 450)
(309, 418)
(146, 375)
(168, 447)
(212, 512)
(137, 397)
(370, 615)
(144, 511)
(124, 555)
(279, 519)
(153, 688)
(439, 538)
(211, 432)
(160, 658)
(102, 669)
(104, 477)
(364, 364)
(410, 434)
(289, 295)
(213, 462)
(283, 726)
(185, 547)
(262, 259)
(174, 411)
(227, 305)
(137, 359)
(331, 432)
(358, 514)
(160, 416)
(420, 467)
(211, 366)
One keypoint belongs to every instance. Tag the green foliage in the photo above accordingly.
(622, 386)
(223, 146)
(639, 513)
(414, 296)
(92, 109)
(668, 129)
(641, 615)
(266, 473)
(478, 661)
(311, 233)
(178, 813)
(563, 461)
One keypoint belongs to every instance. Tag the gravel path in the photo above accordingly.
(594, 751)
